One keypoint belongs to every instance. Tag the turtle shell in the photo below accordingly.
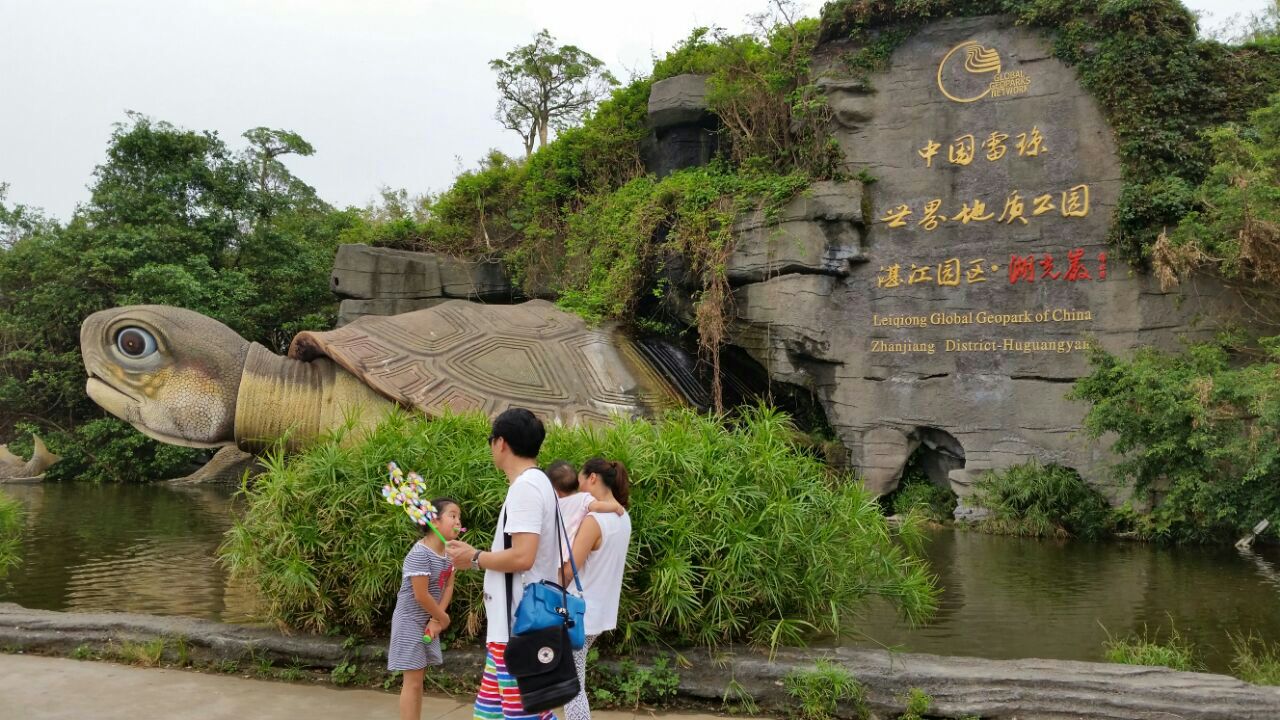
(465, 356)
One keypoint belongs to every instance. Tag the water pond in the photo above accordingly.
(152, 549)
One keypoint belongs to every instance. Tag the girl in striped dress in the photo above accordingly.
(421, 614)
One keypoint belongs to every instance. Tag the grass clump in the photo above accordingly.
(346, 672)
(10, 533)
(1147, 648)
(84, 651)
(732, 527)
(1035, 500)
(146, 654)
(296, 672)
(821, 691)
(632, 685)
(1255, 660)
(918, 703)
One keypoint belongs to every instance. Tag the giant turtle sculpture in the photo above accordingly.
(187, 379)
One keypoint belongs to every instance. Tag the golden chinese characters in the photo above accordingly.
(1070, 203)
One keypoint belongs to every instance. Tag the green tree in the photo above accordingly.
(18, 221)
(544, 85)
(174, 217)
(1197, 435)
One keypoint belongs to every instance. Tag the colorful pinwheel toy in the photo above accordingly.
(410, 493)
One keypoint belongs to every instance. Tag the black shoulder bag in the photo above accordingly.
(541, 660)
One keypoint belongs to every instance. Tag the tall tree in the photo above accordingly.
(544, 85)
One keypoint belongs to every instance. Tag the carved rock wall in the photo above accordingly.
(962, 323)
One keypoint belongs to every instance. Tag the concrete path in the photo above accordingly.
(47, 688)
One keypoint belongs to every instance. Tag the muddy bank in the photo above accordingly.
(1006, 689)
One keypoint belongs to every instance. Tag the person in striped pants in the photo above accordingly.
(528, 516)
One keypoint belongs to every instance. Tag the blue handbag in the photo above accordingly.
(547, 604)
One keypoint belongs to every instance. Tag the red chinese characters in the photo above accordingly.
(1029, 268)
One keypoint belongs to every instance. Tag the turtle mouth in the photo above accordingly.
(127, 408)
(112, 399)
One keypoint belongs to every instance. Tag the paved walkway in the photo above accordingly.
(47, 688)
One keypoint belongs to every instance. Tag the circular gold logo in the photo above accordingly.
(968, 69)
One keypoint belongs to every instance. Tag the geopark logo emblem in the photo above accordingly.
(970, 72)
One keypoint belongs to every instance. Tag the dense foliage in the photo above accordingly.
(731, 530)
(1036, 500)
(1198, 435)
(1234, 229)
(174, 217)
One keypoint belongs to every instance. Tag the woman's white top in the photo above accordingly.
(602, 574)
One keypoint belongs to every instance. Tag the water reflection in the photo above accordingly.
(1012, 597)
(128, 548)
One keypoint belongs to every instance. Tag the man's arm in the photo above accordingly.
(517, 558)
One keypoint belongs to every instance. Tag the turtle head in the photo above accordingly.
(171, 373)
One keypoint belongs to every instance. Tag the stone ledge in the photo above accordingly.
(820, 231)
(679, 100)
(1026, 689)
(361, 272)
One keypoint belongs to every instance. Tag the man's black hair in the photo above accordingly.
(522, 430)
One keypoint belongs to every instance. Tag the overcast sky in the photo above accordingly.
(391, 93)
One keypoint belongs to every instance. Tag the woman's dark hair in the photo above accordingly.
(441, 504)
(522, 430)
(563, 477)
(614, 475)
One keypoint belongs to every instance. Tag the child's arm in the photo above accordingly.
(606, 506)
(447, 596)
(587, 539)
(422, 593)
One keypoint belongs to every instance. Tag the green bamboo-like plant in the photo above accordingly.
(738, 535)
(10, 533)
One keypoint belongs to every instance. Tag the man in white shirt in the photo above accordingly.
(528, 515)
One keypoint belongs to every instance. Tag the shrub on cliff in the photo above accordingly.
(738, 535)
(1037, 500)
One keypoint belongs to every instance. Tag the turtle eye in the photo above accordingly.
(135, 342)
